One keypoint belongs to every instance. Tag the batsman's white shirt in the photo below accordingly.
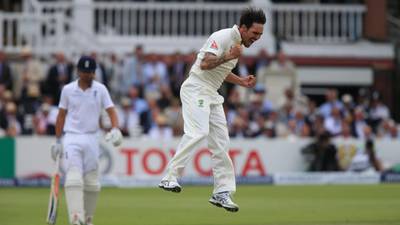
(203, 114)
(81, 126)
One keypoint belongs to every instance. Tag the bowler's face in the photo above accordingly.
(252, 34)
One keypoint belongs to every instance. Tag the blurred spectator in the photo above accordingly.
(101, 72)
(257, 126)
(348, 107)
(359, 123)
(262, 60)
(278, 76)
(160, 129)
(155, 74)
(384, 129)
(274, 127)
(333, 123)
(330, 103)
(133, 70)
(139, 105)
(58, 75)
(13, 124)
(293, 101)
(269, 130)
(233, 101)
(128, 118)
(302, 128)
(239, 126)
(258, 106)
(6, 77)
(377, 112)
(305, 131)
(368, 133)
(115, 76)
(346, 147)
(394, 133)
(177, 68)
(148, 118)
(286, 112)
(165, 98)
(363, 98)
(312, 112)
(45, 120)
(366, 160)
(321, 154)
(174, 117)
(249, 114)
(29, 78)
(267, 105)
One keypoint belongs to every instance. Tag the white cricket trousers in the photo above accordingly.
(204, 119)
(81, 151)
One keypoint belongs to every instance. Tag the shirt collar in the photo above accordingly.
(77, 88)
(75, 85)
(236, 34)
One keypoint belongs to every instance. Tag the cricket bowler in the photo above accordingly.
(202, 110)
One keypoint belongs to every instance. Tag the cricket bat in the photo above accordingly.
(54, 194)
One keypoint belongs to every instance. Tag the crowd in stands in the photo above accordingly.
(145, 88)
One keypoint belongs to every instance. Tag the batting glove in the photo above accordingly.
(114, 136)
(56, 150)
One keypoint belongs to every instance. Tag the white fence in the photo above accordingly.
(166, 26)
(43, 33)
(318, 23)
(167, 19)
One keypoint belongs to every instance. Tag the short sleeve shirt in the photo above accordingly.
(219, 43)
(84, 107)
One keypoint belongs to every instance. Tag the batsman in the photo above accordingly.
(203, 114)
(77, 133)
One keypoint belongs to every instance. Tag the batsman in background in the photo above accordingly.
(81, 104)
(203, 114)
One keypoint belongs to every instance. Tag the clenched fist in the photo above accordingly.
(235, 52)
(249, 81)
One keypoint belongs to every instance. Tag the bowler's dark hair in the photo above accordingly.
(250, 16)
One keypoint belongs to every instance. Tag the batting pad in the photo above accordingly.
(91, 192)
(74, 194)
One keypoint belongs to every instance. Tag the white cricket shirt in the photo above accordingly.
(84, 107)
(218, 43)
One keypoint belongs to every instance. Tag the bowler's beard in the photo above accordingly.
(247, 44)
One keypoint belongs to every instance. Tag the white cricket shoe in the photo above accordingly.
(224, 200)
(170, 186)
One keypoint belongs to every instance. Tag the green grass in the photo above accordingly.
(288, 205)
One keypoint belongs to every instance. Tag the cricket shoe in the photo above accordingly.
(89, 220)
(76, 220)
(224, 200)
(170, 186)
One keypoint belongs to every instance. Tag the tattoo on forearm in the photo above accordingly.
(210, 61)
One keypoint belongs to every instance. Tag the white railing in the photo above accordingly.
(292, 22)
(166, 19)
(46, 25)
(318, 23)
(42, 33)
